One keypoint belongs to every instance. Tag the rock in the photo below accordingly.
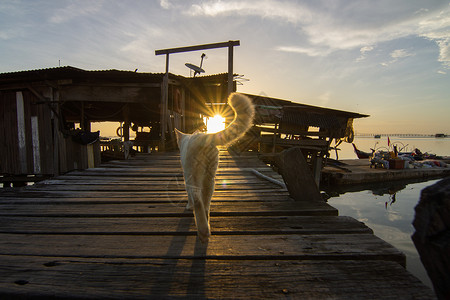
(432, 235)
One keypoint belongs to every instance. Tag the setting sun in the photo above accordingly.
(215, 124)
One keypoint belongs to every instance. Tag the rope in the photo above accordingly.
(259, 174)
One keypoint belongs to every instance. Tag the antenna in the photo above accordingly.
(240, 79)
(196, 69)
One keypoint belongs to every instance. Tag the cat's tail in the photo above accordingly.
(244, 112)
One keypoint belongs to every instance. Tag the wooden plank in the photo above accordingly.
(249, 247)
(159, 170)
(168, 208)
(201, 279)
(122, 231)
(161, 188)
(154, 226)
(8, 130)
(46, 139)
(35, 145)
(143, 179)
(120, 197)
(152, 181)
(21, 133)
(169, 186)
(276, 194)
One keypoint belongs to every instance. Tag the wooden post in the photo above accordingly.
(230, 69)
(87, 125)
(82, 116)
(164, 101)
(49, 94)
(21, 133)
(297, 175)
(36, 146)
(126, 131)
(183, 109)
(126, 124)
(164, 97)
(274, 139)
(318, 169)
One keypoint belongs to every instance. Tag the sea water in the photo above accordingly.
(388, 208)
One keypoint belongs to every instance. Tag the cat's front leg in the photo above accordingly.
(190, 204)
(200, 212)
(192, 192)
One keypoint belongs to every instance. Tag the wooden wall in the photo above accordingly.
(26, 135)
(27, 139)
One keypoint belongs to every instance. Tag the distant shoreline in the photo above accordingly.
(402, 135)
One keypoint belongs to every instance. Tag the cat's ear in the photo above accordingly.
(179, 135)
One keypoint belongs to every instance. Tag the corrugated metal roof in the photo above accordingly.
(69, 72)
(299, 107)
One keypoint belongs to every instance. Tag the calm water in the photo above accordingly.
(389, 208)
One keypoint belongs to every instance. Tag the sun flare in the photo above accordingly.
(215, 124)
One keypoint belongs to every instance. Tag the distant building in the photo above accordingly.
(41, 109)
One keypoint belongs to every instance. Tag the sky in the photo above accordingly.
(388, 59)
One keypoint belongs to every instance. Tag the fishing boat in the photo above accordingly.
(361, 154)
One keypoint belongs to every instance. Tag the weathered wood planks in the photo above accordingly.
(116, 278)
(229, 225)
(122, 231)
(168, 209)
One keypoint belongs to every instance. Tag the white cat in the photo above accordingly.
(200, 158)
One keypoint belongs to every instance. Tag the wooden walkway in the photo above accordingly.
(121, 231)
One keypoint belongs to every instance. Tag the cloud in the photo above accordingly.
(365, 49)
(74, 10)
(437, 28)
(396, 55)
(444, 50)
(165, 4)
(343, 25)
(363, 52)
(311, 51)
(271, 9)
(400, 53)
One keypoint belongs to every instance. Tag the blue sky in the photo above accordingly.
(388, 59)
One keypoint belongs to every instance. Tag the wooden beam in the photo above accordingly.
(198, 47)
(164, 98)
(98, 93)
(297, 175)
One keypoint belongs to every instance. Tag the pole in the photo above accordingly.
(230, 69)
(164, 102)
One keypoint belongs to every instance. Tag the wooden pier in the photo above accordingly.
(121, 231)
